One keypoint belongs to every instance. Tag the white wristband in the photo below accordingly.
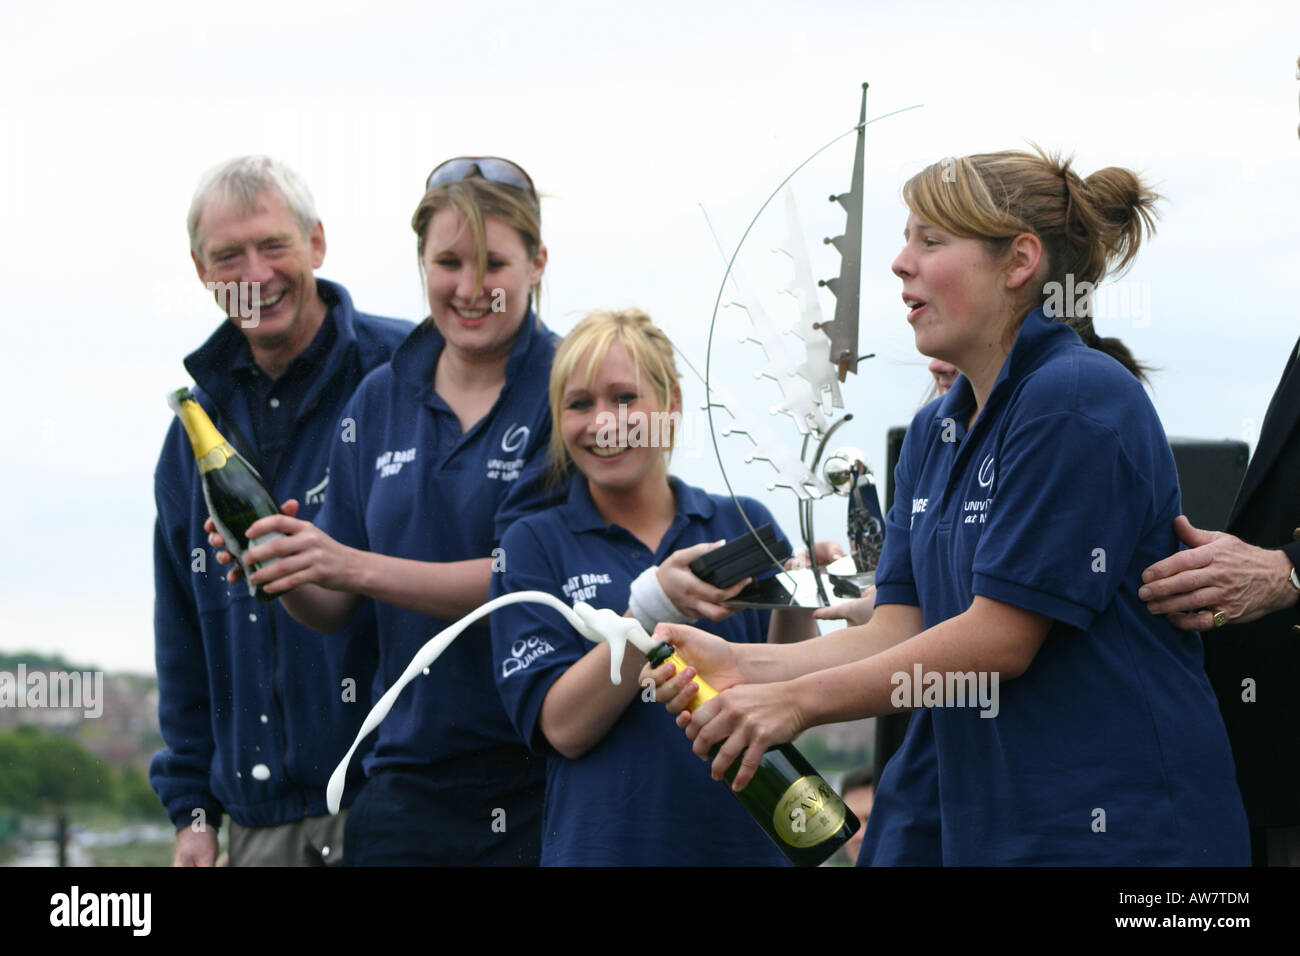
(650, 605)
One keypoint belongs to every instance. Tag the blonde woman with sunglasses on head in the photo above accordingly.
(437, 453)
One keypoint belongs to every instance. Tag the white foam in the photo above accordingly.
(595, 624)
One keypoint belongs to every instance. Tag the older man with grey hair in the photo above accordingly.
(255, 709)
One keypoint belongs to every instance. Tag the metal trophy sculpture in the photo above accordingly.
(849, 475)
(810, 394)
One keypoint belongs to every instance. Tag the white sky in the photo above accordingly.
(628, 118)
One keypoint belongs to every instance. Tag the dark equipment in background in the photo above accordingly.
(1209, 473)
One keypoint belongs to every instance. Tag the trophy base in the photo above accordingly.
(845, 583)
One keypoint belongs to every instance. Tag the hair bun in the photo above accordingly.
(1125, 211)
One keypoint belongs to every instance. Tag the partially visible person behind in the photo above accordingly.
(1241, 588)
(944, 376)
(858, 610)
(622, 790)
(250, 702)
(858, 790)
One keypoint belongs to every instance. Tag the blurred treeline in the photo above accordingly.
(43, 772)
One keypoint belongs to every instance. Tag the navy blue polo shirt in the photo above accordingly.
(405, 482)
(639, 797)
(274, 403)
(1109, 749)
(904, 828)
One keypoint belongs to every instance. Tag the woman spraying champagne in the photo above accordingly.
(1029, 500)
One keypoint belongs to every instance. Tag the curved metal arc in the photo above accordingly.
(717, 303)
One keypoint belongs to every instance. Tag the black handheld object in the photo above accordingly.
(741, 558)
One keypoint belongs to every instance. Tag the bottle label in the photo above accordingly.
(253, 543)
(216, 458)
(808, 813)
(263, 539)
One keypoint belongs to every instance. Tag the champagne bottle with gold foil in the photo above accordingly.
(805, 818)
(232, 488)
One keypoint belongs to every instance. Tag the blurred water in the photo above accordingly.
(35, 850)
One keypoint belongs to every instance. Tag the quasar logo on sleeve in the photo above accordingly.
(523, 652)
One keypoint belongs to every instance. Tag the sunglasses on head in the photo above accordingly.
(492, 168)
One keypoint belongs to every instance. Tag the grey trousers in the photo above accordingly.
(311, 841)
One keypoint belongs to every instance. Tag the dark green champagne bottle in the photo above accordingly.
(805, 818)
(232, 488)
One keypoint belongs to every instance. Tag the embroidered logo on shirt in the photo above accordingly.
(582, 587)
(515, 438)
(523, 652)
(315, 495)
(505, 469)
(976, 510)
(508, 469)
(391, 462)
